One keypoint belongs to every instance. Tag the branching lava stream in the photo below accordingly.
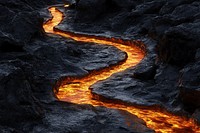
(76, 90)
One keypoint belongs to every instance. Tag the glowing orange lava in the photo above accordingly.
(77, 90)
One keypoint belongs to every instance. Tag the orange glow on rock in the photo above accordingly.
(76, 90)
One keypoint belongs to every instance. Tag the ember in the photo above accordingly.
(77, 90)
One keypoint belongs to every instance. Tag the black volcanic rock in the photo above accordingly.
(55, 58)
(125, 5)
(178, 33)
(18, 28)
(179, 43)
(20, 22)
(197, 56)
(145, 71)
(124, 87)
(88, 10)
(151, 7)
(17, 99)
(190, 85)
(24, 27)
(91, 10)
(8, 44)
(170, 5)
(77, 58)
(186, 10)
(65, 117)
(196, 115)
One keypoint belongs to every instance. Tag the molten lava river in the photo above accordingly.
(76, 90)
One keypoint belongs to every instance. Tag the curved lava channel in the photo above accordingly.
(76, 90)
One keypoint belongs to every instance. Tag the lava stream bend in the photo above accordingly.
(77, 90)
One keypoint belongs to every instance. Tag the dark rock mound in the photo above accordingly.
(18, 28)
(170, 5)
(178, 32)
(90, 10)
(179, 44)
(152, 7)
(145, 71)
(190, 85)
(16, 97)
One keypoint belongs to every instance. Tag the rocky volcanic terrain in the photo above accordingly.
(32, 62)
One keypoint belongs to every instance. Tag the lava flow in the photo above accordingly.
(77, 90)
